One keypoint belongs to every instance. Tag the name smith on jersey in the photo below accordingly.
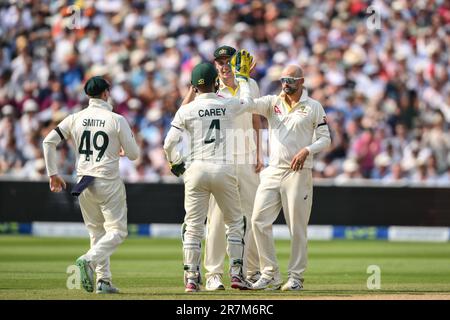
(93, 123)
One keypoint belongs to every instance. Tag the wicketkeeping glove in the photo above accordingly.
(177, 169)
(240, 64)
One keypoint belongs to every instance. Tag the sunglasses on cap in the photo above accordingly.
(289, 80)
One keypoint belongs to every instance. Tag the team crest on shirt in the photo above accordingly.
(276, 110)
(302, 111)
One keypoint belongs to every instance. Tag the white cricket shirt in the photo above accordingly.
(98, 134)
(291, 129)
(209, 124)
(243, 123)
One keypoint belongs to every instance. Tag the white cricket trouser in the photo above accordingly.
(215, 244)
(104, 208)
(201, 180)
(292, 191)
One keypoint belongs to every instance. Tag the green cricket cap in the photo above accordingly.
(95, 86)
(203, 74)
(224, 51)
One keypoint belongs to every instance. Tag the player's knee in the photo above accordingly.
(95, 235)
(120, 234)
(257, 224)
(254, 220)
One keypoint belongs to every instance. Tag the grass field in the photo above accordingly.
(143, 268)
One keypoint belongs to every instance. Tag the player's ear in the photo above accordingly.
(195, 88)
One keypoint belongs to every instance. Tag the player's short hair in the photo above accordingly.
(95, 86)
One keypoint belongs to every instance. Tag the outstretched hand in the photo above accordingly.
(241, 64)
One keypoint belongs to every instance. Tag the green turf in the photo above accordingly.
(35, 268)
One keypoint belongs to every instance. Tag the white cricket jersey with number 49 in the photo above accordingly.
(98, 135)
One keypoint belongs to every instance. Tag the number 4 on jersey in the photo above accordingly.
(85, 144)
(214, 129)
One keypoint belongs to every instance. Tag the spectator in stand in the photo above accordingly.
(385, 91)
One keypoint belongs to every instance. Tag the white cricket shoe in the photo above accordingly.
(266, 284)
(293, 285)
(252, 278)
(214, 283)
(106, 287)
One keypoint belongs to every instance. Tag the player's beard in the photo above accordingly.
(289, 90)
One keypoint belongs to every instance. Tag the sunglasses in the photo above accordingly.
(289, 80)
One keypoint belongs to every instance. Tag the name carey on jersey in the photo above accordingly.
(94, 123)
(217, 112)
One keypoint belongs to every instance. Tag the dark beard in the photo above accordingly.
(289, 90)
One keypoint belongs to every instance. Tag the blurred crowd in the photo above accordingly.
(380, 69)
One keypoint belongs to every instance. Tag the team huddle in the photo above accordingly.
(224, 184)
(293, 120)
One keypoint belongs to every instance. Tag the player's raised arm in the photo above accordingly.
(127, 141)
(240, 64)
(190, 96)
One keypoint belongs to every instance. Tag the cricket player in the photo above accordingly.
(100, 137)
(248, 165)
(209, 123)
(286, 183)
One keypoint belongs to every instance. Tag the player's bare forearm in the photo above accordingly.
(257, 126)
(189, 96)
